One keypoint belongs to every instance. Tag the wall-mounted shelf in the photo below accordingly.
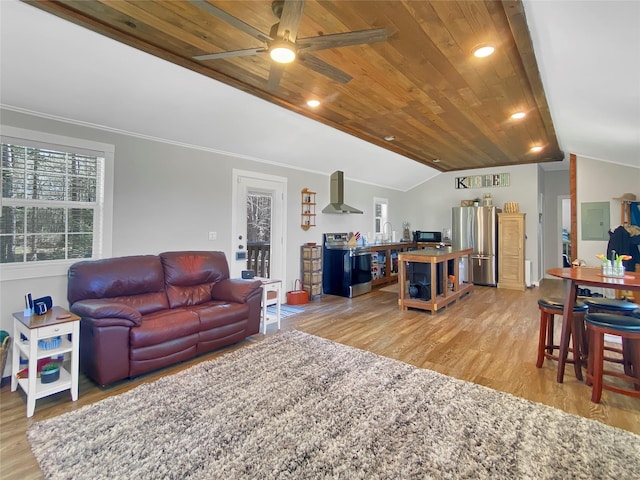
(308, 209)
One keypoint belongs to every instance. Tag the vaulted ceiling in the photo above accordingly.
(417, 82)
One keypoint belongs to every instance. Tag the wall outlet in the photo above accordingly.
(213, 236)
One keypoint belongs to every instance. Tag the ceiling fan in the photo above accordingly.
(282, 44)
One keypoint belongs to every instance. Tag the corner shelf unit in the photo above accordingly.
(307, 209)
(312, 269)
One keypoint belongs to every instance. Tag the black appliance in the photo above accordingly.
(346, 271)
(423, 236)
(420, 282)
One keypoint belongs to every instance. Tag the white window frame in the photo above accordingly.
(385, 216)
(104, 224)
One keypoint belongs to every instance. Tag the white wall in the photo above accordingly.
(168, 197)
(428, 206)
(599, 181)
(556, 184)
(566, 213)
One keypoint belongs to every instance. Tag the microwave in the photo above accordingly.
(422, 236)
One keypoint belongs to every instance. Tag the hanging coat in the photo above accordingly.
(624, 243)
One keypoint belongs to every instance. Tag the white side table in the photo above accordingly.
(38, 327)
(271, 291)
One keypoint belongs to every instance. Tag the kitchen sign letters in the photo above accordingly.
(482, 181)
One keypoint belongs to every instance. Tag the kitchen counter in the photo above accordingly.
(433, 256)
(384, 260)
(387, 244)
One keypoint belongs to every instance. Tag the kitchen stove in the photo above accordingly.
(346, 270)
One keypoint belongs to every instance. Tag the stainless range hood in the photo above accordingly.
(336, 196)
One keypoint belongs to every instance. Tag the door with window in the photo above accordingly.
(258, 230)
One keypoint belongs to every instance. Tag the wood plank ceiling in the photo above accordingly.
(444, 107)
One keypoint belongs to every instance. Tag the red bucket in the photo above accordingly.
(297, 297)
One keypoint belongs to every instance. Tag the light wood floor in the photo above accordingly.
(489, 337)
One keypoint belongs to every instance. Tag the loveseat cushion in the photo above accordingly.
(235, 289)
(164, 326)
(190, 276)
(216, 314)
(106, 308)
(137, 281)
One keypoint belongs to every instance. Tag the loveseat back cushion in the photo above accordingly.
(137, 281)
(190, 276)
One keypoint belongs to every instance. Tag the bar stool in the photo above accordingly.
(549, 307)
(625, 326)
(610, 305)
(615, 306)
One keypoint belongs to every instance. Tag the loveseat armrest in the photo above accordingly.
(235, 290)
(107, 312)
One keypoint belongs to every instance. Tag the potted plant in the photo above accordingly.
(50, 372)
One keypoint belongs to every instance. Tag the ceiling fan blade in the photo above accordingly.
(290, 19)
(231, 20)
(275, 74)
(337, 40)
(232, 53)
(325, 69)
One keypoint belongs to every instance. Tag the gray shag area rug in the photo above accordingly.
(295, 406)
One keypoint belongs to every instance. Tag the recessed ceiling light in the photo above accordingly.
(536, 149)
(313, 103)
(436, 160)
(518, 115)
(484, 51)
(390, 138)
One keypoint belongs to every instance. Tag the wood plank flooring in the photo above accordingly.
(489, 337)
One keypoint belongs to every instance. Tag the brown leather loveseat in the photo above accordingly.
(145, 312)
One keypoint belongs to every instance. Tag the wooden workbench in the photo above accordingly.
(433, 256)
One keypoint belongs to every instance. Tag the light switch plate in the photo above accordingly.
(213, 236)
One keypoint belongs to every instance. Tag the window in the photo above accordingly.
(52, 203)
(380, 207)
(259, 232)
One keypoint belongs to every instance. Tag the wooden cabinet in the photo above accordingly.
(307, 209)
(312, 270)
(511, 243)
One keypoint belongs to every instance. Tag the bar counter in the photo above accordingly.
(433, 256)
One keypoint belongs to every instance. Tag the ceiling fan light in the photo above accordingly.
(282, 52)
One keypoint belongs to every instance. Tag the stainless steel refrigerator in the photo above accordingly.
(477, 228)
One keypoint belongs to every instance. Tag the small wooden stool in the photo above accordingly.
(271, 291)
(625, 326)
(549, 307)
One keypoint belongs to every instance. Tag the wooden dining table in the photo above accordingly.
(585, 276)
